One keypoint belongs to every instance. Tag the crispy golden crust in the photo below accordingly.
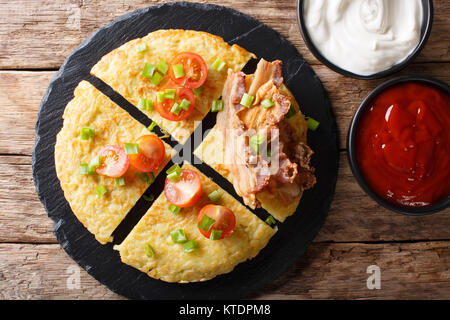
(122, 67)
(113, 126)
(211, 152)
(170, 263)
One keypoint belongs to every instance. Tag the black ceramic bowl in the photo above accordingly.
(427, 22)
(352, 152)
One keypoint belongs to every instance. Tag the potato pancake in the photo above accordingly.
(169, 262)
(122, 69)
(111, 126)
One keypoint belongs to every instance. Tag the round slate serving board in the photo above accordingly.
(293, 236)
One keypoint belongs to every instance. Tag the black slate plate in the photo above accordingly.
(293, 237)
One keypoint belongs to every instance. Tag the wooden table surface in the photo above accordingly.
(413, 253)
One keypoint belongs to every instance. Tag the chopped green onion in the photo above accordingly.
(216, 106)
(175, 168)
(313, 124)
(86, 133)
(131, 148)
(198, 91)
(162, 67)
(214, 196)
(215, 234)
(149, 178)
(100, 190)
(145, 104)
(141, 47)
(178, 71)
(120, 182)
(94, 164)
(185, 104)
(160, 96)
(190, 246)
(174, 173)
(149, 70)
(247, 100)
(156, 79)
(84, 169)
(291, 112)
(174, 209)
(267, 103)
(206, 223)
(178, 236)
(169, 94)
(270, 221)
(219, 64)
(174, 177)
(149, 251)
(148, 198)
(142, 103)
(176, 108)
(152, 126)
(255, 141)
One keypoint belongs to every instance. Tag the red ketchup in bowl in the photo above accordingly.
(403, 145)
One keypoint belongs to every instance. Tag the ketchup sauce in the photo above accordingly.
(403, 145)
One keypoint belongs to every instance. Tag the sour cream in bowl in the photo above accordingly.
(365, 39)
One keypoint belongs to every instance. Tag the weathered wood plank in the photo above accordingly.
(21, 93)
(353, 215)
(40, 34)
(20, 96)
(327, 271)
(43, 272)
(22, 216)
(339, 271)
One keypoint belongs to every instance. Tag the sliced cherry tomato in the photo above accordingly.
(224, 220)
(114, 161)
(186, 191)
(195, 70)
(164, 108)
(151, 153)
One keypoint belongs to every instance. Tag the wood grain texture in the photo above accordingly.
(339, 271)
(40, 34)
(326, 271)
(23, 219)
(29, 271)
(20, 96)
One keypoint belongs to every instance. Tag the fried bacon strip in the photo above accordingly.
(287, 168)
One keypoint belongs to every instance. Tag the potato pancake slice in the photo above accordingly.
(168, 261)
(122, 70)
(111, 125)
